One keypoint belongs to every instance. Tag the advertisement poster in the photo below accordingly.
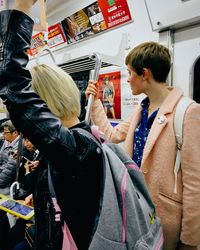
(96, 17)
(77, 26)
(128, 101)
(55, 35)
(110, 94)
(124, 101)
(37, 43)
(115, 12)
(84, 23)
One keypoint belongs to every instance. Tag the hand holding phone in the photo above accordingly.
(31, 166)
(14, 154)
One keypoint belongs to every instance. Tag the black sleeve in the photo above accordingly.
(27, 111)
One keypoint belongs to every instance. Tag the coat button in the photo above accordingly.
(160, 119)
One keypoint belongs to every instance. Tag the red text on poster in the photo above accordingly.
(115, 12)
(110, 93)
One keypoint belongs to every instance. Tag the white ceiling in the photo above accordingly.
(59, 9)
(52, 5)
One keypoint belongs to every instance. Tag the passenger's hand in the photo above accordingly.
(29, 200)
(24, 5)
(27, 167)
(182, 246)
(14, 154)
(92, 89)
(34, 165)
(31, 166)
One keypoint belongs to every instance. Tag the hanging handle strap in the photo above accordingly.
(45, 48)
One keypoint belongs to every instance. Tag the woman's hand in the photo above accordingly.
(29, 200)
(91, 90)
(31, 166)
(24, 5)
(182, 246)
(34, 165)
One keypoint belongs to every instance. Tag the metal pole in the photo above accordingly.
(97, 58)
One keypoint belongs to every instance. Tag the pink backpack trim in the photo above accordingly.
(123, 191)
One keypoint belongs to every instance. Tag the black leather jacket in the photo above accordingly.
(74, 159)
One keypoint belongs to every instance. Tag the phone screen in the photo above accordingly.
(17, 207)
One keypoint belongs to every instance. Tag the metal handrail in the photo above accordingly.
(45, 48)
(97, 58)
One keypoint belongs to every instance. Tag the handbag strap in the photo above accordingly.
(53, 196)
(68, 241)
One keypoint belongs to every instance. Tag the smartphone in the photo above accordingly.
(26, 159)
(16, 208)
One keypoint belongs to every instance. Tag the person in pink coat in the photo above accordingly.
(149, 138)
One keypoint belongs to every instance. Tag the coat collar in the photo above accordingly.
(171, 100)
(160, 121)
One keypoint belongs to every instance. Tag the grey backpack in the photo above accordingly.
(127, 219)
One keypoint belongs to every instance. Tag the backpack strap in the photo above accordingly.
(98, 134)
(68, 241)
(182, 105)
(95, 134)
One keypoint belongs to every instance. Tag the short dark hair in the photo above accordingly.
(153, 56)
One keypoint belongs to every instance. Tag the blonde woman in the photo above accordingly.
(69, 154)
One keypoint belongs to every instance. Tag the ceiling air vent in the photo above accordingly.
(80, 64)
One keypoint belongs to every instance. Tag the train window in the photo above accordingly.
(196, 86)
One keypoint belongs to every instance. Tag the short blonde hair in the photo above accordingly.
(57, 89)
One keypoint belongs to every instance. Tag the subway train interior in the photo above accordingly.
(90, 40)
(174, 24)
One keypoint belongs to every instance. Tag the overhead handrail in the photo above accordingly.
(13, 188)
(118, 58)
(45, 48)
(97, 58)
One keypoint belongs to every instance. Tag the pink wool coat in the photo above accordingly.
(180, 212)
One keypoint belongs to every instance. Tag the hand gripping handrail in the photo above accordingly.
(97, 58)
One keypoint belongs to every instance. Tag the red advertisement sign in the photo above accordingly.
(115, 12)
(55, 35)
(37, 43)
(110, 93)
